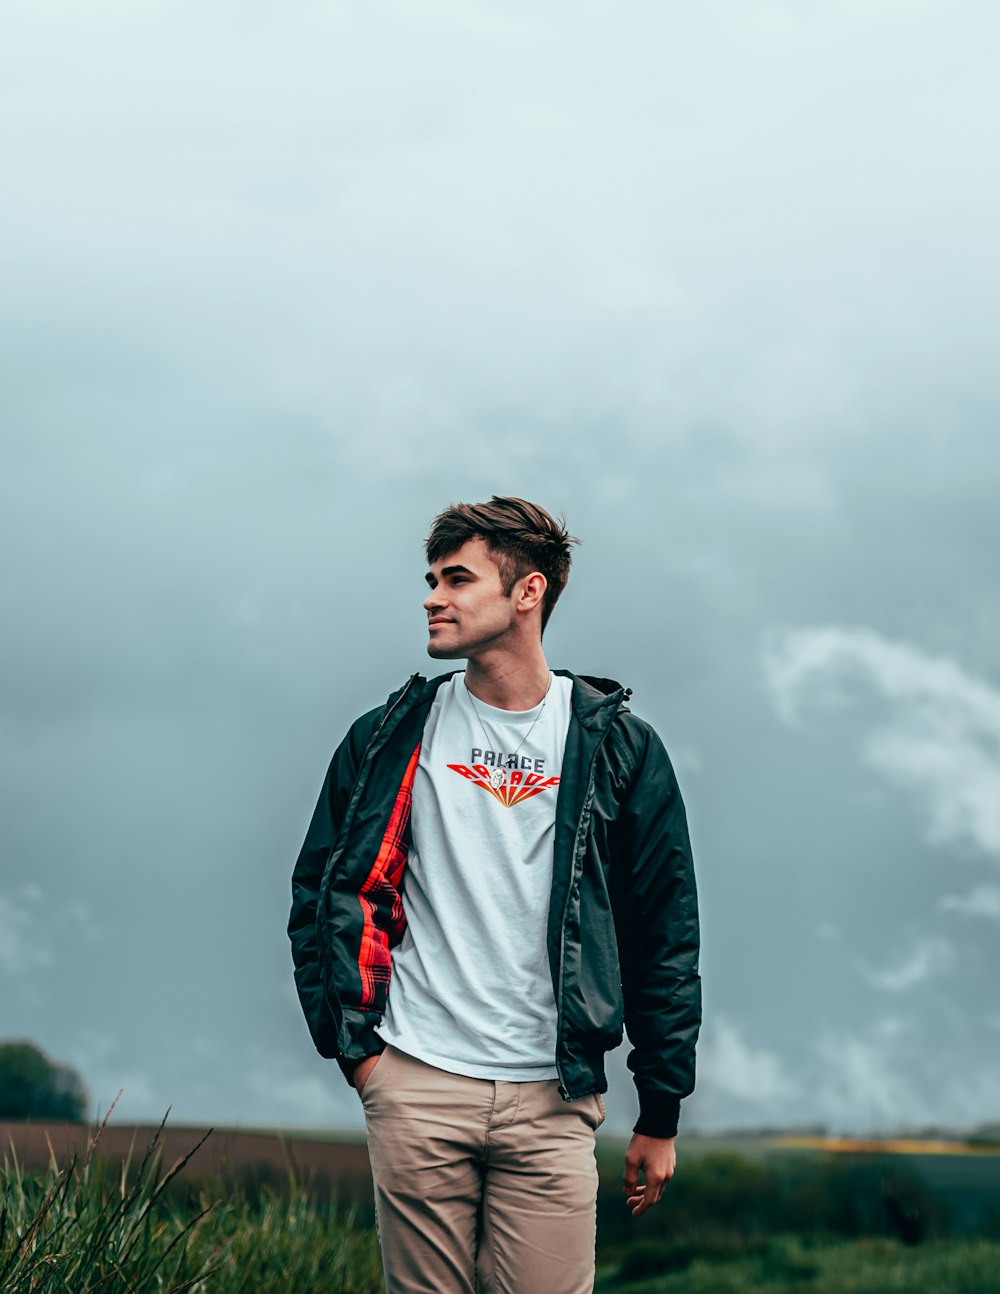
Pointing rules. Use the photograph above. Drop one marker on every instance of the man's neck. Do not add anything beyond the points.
(508, 682)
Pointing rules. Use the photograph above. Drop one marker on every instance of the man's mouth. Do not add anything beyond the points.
(441, 620)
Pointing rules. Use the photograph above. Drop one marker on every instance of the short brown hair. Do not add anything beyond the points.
(521, 537)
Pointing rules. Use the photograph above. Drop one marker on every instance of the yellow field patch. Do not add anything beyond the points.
(889, 1146)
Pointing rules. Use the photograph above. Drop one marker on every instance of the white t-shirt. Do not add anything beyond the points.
(471, 989)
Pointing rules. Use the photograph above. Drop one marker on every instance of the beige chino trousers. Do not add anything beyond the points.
(475, 1178)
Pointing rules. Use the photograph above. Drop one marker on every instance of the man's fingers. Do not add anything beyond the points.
(654, 1158)
(643, 1197)
(639, 1204)
(654, 1189)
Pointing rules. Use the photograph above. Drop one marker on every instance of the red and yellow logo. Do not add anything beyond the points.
(508, 785)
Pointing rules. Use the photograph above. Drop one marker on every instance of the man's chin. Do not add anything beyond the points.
(438, 651)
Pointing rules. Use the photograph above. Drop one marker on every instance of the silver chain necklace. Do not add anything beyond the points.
(499, 775)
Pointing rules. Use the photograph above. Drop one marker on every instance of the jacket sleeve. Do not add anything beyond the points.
(659, 940)
(307, 877)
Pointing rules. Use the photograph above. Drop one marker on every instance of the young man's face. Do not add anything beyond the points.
(467, 609)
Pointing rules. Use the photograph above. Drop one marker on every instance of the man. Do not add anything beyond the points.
(497, 876)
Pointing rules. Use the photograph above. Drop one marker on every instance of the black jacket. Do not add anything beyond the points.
(623, 918)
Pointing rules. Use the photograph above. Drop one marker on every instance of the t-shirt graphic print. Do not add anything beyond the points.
(471, 988)
(509, 784)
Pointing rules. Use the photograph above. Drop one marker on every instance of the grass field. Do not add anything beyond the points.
(761, 1215)
(93, 1224)
(792, 1265)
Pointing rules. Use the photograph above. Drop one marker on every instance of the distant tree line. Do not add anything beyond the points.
(34, 1087)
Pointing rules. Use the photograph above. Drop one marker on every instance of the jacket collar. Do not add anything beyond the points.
(595, 700)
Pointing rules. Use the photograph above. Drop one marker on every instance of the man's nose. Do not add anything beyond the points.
(432, 600)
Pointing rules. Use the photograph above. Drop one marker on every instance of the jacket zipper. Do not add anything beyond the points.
(577, 850)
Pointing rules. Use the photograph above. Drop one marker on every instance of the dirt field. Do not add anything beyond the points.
(342, 1164)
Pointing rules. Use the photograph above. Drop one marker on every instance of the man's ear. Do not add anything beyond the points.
(532, 591)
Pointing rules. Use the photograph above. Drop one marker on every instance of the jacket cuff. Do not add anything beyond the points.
(658, 1115)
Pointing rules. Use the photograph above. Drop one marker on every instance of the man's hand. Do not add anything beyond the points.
(363, 1070)
(655, 1158)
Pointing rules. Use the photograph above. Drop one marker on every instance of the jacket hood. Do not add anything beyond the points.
(596, 701)
(605, 685)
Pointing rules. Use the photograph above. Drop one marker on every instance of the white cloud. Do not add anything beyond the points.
(941, 736)
(731, 1066)
(862, 1086)
(27, 922)
(876, 1079)
(890, 1028)
(930, 957)
(885, 1075)
(22, 949)
(983, 901)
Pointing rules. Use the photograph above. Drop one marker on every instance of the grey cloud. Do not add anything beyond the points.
(942, 739)
(283, 280)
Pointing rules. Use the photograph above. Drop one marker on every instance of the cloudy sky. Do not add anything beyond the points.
(719, 282)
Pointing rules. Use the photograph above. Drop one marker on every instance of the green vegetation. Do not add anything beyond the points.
(785, 1224)
(721, 1199)
(135, 1229)
(793, 1265)
(34, 1087)
(792, 1223)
